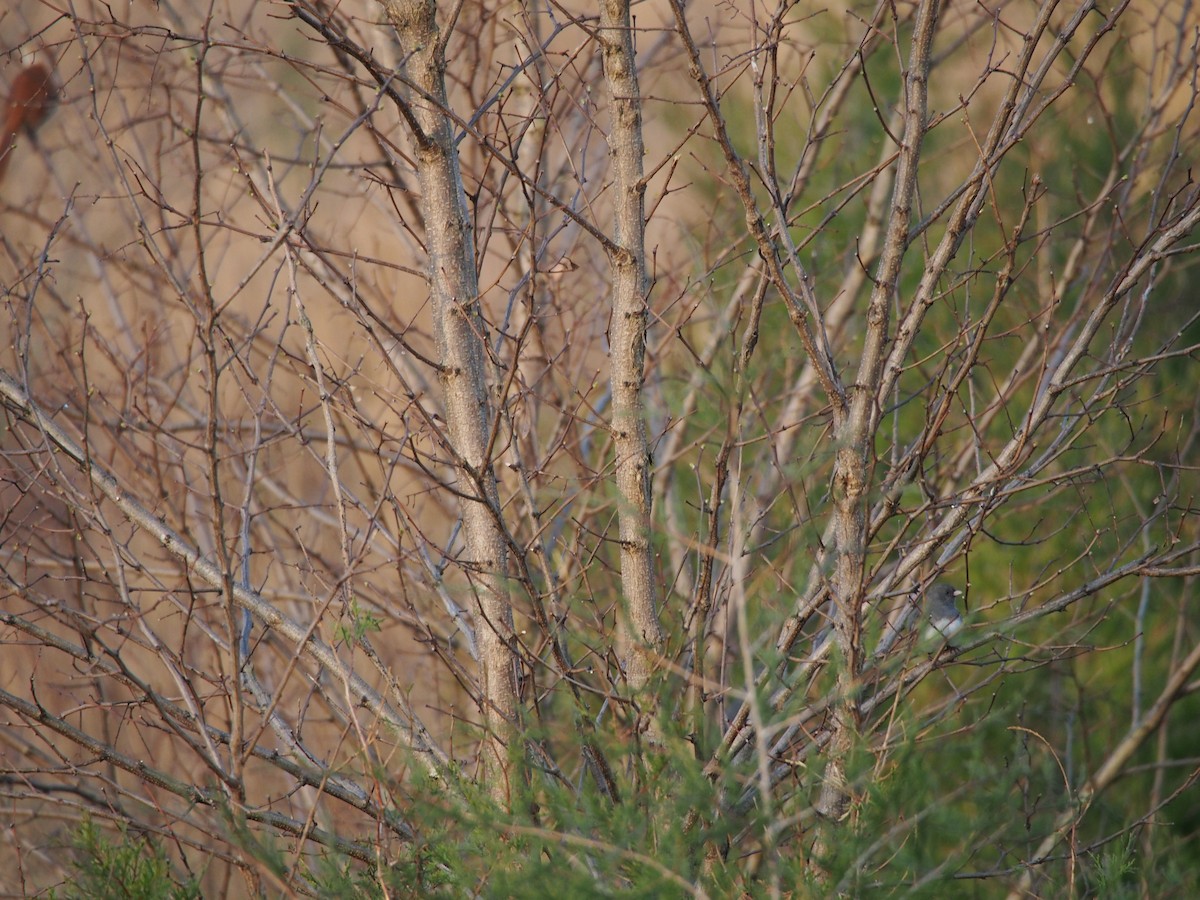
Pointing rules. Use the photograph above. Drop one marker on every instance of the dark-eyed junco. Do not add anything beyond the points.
(941, 612)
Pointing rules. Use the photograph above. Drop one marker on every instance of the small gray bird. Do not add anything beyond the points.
(941, 612)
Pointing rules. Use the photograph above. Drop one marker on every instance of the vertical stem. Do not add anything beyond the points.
(854, 433)
(640, 636)
(459, 331)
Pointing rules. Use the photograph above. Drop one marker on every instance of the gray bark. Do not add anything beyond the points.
(460, 335)
(640, 638)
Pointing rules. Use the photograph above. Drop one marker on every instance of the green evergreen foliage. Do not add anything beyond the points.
(131, 868)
